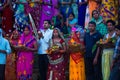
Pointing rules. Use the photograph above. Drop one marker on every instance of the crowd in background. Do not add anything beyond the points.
(83, 33)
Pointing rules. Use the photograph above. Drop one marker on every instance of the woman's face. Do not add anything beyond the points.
(15, 35)
(55, 33)
(26, 31)
(95, 14)
(71, 17)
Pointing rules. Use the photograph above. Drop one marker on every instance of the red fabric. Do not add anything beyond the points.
(76, 56)
(7, 19)
(59, 68)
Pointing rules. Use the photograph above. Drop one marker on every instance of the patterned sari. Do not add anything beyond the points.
(109, 10)
(25, 58)
(10, 68)
(21, 19)
(35, 10)
(76, 66)
(56, 67)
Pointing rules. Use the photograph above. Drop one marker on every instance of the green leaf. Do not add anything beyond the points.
(94, 48)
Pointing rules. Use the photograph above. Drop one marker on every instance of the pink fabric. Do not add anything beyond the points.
(25, 59)
(55, 10)
(35, 11)
(47, 12)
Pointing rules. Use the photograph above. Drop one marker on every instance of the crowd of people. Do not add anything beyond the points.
(81, 34)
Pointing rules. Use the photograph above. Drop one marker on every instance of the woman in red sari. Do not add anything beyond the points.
(10, 71)
(56, 67)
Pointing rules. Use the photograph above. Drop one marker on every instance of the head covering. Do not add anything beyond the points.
(24, 37)
(60, 34)
(12, 40)
(14, 32)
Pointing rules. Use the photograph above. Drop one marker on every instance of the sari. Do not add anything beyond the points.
(10, 68)
(55, 9)
(56, 66)
(107, 57)
(46, 12)
(35, 10)
(21, 19)
(109, 10)
(76, 66)
(25, 58)
(7, 17)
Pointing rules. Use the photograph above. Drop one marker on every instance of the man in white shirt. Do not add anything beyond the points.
(45, 36)
(4, 50)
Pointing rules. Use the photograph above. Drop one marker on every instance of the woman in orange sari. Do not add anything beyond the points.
(76, 66)
(10, 71)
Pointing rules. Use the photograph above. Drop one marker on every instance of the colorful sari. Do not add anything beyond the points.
(21, 19)
(56, 67)
(46, 13)
(10, 68)
(25, 58)
(76, 66)
(109, 10)
(35, 10)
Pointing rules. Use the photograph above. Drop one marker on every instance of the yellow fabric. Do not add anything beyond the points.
(77, 71)
(92, 6)
(106, 63)
(109, 9)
